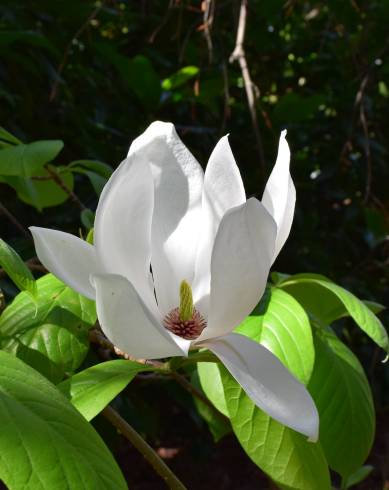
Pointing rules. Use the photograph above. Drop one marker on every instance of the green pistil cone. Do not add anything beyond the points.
(186, 301)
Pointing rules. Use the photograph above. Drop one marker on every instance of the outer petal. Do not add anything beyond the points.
(241, 259)
(128, 323)
(69, 258)
(122, 232)
(178, 183)
(268, 383)
(223, 190)
(279, 196)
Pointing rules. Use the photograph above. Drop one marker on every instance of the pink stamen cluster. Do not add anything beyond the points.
(187, 329)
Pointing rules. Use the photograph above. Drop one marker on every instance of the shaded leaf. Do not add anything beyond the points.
(16, 269)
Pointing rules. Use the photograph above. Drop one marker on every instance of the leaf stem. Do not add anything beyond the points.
(141, 445)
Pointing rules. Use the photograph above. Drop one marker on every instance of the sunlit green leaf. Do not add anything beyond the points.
(45, 443)
(326, 301)
(92, 389)
(50, 334)
(343, 397)
(180, 77)
(16, 268)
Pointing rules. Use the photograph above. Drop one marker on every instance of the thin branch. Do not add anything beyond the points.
(239, 55)
(61, 66)
(141, 445)
(61, 183)
(14, 221)
(209, 7)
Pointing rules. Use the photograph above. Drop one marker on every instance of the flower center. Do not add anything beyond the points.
(185, 321)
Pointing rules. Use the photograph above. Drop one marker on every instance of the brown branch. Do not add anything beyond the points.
(209, 8)
(14, 221)
(62, 64)
(61, 183)
(141, 445)
(239, 55)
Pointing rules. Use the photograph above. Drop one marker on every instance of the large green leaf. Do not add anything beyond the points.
(343, 398)
(26, 160)
(325, 300)
(41, 193)
(50, 334)
(45, 443)
(283, 454)
(16, 268)
(285, 330)
(91, 390)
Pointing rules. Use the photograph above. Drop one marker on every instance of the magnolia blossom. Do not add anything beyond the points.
(180, 258)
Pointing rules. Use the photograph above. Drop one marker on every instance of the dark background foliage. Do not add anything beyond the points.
(95, 74)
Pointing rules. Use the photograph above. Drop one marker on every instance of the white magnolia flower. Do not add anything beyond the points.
(163, 229)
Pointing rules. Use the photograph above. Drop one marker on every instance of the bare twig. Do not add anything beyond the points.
(141, 445)
(61, 183)
(156, 31)
(208, 7)
(62, 64)
(14, 221)
(239, 55)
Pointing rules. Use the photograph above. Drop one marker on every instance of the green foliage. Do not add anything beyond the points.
(343, 398)
(92, 389)
(327, 302)
(179, 77)
(50, 334)
(16, 269)
(47, 443)
(285, 330)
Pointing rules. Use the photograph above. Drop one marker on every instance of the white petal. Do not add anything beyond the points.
(68, 257)
(178, 182)
(122, 231)
(268, 383)
(241, 259)
(279, 196)
(127, 322)
(223, 190)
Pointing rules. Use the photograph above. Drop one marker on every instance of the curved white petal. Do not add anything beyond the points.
(223, 190)
(68, 257)
(241, 260)
(122, 233)
(178, 184)
(279, 196)
(127, 322)
(268, 383)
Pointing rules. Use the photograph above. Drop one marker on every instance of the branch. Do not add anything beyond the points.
(239, 55)
(14, 221)
(141, 445)
(61, 183)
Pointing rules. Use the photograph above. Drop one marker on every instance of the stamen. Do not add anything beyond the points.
(188, 329)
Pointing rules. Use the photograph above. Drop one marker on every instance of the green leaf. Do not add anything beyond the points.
(286, 456)
(283, 454)
(8, 137)
(218, 426)
(325, 300)
(45, 443)
(344, 401)
(51, 334)
(27, 160)
(16, 269)
(180, 77)
(97, 172)
(358, 476)
(91, 390)
(211, 384)
(41, 193)
(285, 330)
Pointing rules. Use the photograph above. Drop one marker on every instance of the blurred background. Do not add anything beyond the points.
(96, 74)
